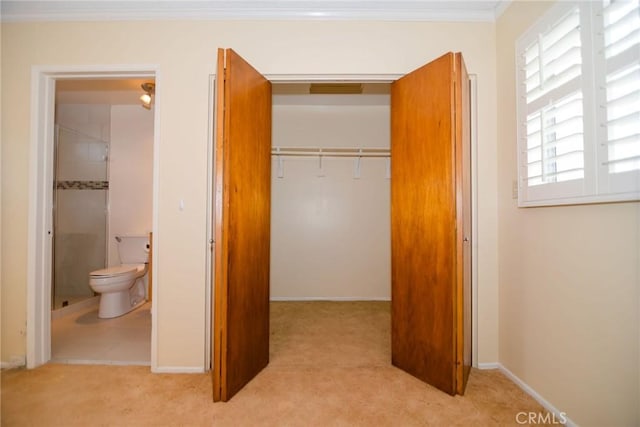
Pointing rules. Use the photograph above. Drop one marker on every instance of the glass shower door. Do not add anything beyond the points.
(80, 214)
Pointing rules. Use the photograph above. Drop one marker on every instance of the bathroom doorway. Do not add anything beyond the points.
(102, 190)
(94, 140)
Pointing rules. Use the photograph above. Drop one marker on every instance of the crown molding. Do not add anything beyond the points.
(133, 10)
(501, 6)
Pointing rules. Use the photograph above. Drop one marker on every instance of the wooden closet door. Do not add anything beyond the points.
(463, 220)
(425, 307)
(242, 222)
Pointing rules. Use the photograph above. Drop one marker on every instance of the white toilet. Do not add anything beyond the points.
(124, 287)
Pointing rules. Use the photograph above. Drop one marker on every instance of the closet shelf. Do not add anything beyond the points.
(330, 152)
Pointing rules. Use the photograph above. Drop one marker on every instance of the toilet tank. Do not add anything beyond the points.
(133, 249)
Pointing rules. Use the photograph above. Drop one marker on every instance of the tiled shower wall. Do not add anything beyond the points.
(81, 197)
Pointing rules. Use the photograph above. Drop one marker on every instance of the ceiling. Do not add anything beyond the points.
(100, 91)
(398, 10)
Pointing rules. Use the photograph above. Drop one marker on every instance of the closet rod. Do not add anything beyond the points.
(330, 152)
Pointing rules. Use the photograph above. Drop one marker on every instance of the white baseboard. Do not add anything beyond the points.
(559, 415)
(492, 365)
(14, 362)
(330, 298)
(178, 370)
(73, 308)
(100, 362)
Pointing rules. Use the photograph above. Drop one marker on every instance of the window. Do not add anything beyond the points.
(578, 76)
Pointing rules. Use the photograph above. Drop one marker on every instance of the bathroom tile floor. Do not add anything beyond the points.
(83, 338)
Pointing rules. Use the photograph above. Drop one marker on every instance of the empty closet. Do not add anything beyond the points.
(330, 207)
(429, 216)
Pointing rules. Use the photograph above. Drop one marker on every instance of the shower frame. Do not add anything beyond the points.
(54, 208)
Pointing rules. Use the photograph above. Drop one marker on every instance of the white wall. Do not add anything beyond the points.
(569, 279)
(184, 53)
(130, 174)
(15, 358)
(330, 235)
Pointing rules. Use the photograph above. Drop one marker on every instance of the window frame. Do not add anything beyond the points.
(597, 184)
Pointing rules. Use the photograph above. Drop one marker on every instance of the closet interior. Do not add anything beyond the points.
(330, 177)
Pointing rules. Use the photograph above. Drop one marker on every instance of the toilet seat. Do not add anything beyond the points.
(114, 271)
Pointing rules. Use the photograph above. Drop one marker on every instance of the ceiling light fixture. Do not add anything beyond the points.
(149, 89)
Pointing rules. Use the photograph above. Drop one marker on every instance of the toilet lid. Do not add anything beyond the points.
(115, 271)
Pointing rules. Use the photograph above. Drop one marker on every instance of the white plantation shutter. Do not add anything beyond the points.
(578, 74)
(623, 120)
(619, 102)
(555, 142)
(554, 59)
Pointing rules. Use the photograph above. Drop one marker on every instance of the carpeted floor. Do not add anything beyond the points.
(330, 366)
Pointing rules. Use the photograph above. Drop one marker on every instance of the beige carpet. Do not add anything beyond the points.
(330, 366)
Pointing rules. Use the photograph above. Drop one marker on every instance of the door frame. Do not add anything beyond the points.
(336, 78)
(40, 226)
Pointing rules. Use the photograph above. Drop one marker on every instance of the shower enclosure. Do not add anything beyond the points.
(80, 206)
